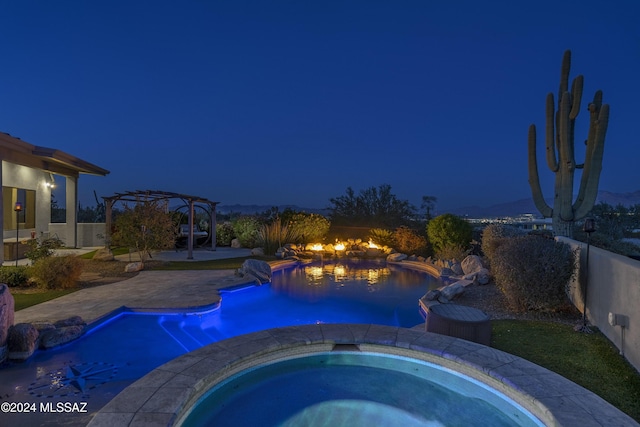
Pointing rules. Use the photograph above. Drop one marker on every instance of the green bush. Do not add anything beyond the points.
(382, 237)
(533, 272)
(42, 248)
(309, 227)
(448, 230)
(14, 276)
(57, 272)
(409, 242)
(274, 235)
(224, 234)
(247, 230)
(493, 235)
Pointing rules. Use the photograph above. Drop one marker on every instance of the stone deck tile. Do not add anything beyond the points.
(553, 398)
(161, 290)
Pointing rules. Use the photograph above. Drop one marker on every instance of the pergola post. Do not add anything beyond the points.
(190, 238)
(212, 227)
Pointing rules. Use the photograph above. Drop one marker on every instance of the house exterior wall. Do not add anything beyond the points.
(613, 287)
(88, 234)
(30, 179)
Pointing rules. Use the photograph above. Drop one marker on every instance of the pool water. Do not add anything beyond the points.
(357, 390)
(122, 350)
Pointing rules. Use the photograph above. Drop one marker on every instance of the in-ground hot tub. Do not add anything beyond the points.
(356, 389)
(170, 393)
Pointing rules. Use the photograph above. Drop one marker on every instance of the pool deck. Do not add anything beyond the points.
(149, 290)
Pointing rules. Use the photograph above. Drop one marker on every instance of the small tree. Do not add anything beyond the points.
(145, 227)
(449, 233)
(373, 207)
(428, 204)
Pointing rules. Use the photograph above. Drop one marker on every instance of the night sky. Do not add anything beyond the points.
(291, 102)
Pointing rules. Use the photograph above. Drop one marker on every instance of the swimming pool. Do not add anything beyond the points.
(121, 350)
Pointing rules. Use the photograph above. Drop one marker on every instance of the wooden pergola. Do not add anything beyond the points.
(154, 195)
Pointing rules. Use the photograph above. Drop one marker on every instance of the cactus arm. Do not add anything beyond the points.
(534, 178)
(576, 92)
(550, 136)
(564, 73)
(593, 165)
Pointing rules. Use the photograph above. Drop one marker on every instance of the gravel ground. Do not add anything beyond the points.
(490, 299)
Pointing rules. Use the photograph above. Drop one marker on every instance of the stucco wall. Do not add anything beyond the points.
(87, 234)
(614, 287)
(30, 179)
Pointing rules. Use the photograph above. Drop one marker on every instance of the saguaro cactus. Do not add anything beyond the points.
(559, 140)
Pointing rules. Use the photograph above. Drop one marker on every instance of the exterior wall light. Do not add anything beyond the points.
(18, 209)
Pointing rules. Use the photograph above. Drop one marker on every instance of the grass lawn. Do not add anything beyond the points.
(24, 300)
(589, 360)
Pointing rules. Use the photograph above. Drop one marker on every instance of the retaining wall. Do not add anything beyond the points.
(613, 287)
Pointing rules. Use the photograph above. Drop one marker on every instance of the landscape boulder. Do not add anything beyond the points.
(71, 321)
(452, 291)
(471, 264)
(23, 340)
(432, 295)
(132, 267)
(253, 268)
(396, 257)
(257, 252)
(235, 243)
(457, 269)
(61, 335)
(6, 319)
(483, 276)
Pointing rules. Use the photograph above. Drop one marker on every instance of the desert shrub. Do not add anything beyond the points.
(14, 276)
(493, 235)
(449, 230)
(247, 230)
(147, 226)
(57, 272)
(453, 252)
(382, 237)
(42, 248)
(224, 234)
(408, 241)
(309, 227)
(533, 272)
(274, 235)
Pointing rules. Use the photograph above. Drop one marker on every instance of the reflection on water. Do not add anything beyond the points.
(342, 273)
(351, 278)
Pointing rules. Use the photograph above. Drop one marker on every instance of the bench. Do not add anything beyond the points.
(458, 321)
(15, 250)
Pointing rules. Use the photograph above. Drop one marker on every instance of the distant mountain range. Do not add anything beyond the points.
(513, 208)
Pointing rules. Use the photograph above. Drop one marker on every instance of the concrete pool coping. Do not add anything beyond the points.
(166, 393)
